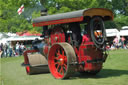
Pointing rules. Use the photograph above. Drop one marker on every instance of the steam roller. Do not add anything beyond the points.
(65, 48)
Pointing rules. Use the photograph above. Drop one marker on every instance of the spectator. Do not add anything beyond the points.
(116, 42)
(107, 47)
(10, 50)
(22, 48)
(112, 47)
(0, 53)
(126, 46)
(2, 50)
(6, 50)
(17, 48)
(122, 42)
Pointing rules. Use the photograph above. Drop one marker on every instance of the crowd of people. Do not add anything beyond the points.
(118, 43)
(9, 50)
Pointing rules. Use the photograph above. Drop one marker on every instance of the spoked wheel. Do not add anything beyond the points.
(61, 60)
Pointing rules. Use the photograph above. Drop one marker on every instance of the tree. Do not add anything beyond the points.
(9, 18)
(121, 20)
(120, 6)
(10, 21)
(60, 6)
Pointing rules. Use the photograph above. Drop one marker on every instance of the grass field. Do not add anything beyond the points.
(114, 72)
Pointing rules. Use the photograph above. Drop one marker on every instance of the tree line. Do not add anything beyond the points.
(10, 21)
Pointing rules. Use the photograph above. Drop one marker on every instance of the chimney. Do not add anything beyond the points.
(43, 12)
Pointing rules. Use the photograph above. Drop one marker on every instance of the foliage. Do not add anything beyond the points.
(120, 6)
(10, 21)
(121, 20)
(58, 6)
(9, 18)
(117, 6)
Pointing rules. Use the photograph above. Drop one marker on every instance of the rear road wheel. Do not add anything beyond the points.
(61, 60)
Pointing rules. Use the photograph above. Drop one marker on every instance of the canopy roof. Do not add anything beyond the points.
(125, 27)
(75, 16)
(23, 38)
(123, 32)
(3, 35)
(112, 32)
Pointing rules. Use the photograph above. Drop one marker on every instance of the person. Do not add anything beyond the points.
(2, 50)
(0, 53)
(122, 42)
(34, 43)
(85, 38)
(86, 34)
(6, 50)
(116, 42)
(76, 33)
(112, 47)
(107, 46)
(17, 48)
(22, 48)
(126, 46)
(10, 50)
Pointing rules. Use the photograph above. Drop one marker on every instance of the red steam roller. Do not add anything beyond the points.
(72, 42)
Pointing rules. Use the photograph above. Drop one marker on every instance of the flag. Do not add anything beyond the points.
(21, 9)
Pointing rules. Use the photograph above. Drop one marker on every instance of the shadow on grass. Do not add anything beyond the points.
(104, 73)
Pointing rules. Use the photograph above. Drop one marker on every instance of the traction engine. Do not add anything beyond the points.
(64, 49)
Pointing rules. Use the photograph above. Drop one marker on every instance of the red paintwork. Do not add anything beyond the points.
(61, 21)
(26, 61)
(28, 69)
(87, 51)
(57, 62)
(85, 38)
(57, 35)
(26, 33)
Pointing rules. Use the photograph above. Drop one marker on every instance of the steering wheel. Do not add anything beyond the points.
(98, 33)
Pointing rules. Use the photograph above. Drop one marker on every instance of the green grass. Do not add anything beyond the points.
(0, 72)
(114, 72)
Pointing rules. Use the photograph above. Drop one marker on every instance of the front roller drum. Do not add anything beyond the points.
(61, 60)
(36, 63)
(37, 69)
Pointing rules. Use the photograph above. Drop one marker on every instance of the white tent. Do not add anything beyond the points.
(112, 32)
(23, 38)
(3, 35)
(123, 32)
(125, 27)
(3, 40)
